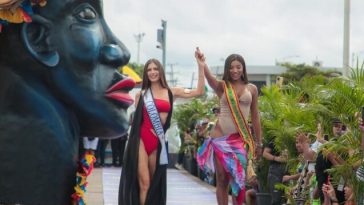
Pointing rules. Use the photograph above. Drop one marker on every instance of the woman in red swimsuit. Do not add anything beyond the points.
(143, 179)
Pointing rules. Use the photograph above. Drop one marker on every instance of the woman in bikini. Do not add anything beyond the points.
(143, 179)
(231, 145)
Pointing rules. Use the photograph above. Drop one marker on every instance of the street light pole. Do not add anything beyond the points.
(139, 38)
(162, 39)
(346, 46)
(164, 26)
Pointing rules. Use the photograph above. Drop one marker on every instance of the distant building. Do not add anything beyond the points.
(262, 75)
(258, 75)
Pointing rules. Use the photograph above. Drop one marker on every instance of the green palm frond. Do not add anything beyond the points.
(343, 97)
(357, 74)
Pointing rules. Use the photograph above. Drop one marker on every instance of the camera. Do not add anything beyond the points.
(311, 166)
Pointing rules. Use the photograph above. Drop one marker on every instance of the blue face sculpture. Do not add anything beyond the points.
(82, 56)
(58, 82)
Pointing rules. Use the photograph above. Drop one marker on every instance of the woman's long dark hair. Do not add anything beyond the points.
(162, 76)
(226, 77)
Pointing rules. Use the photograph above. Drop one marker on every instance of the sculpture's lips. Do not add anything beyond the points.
(120, 91)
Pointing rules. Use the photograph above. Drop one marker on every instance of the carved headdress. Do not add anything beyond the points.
(17, 11)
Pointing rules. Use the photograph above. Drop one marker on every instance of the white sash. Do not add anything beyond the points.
(157, 124)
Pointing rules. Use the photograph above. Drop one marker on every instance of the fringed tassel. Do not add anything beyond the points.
(241, 196)
(85, 167)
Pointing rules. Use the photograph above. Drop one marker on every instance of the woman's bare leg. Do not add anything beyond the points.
(222, 184)
(152, 161)
(143, 173)
(250, 197)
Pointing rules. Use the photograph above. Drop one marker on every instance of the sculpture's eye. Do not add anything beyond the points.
(85, 13)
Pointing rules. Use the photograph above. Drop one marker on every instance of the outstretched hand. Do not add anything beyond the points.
(319, 132)
(200, 57)
(328, 190)
(258, 152)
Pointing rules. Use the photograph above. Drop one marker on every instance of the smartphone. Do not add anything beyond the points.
(311, 166)
(326, 137)
(328, 180)
(340, 186)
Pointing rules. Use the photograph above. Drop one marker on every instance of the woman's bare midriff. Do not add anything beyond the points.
(217, 131)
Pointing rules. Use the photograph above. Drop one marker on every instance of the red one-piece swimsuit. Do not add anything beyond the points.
(150, 140)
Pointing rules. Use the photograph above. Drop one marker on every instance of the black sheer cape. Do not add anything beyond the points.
(129, 185)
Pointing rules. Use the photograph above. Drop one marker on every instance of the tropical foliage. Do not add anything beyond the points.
(187, 114)
(295, 72)
(311, 98)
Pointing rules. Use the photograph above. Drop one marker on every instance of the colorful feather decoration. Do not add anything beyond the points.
(18, 11)
(85, 167)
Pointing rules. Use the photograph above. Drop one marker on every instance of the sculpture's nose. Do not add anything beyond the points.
(114, 56)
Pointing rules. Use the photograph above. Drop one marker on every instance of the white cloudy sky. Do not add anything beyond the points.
(261, 30)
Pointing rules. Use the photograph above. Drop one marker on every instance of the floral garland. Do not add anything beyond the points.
(17, 11)
(86, 165)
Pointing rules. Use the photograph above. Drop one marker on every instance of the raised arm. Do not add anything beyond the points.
(215, 84)
(256, 119)
(200, 90)
(211, 80)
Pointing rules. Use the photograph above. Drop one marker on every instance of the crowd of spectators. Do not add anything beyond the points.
(312, 182)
